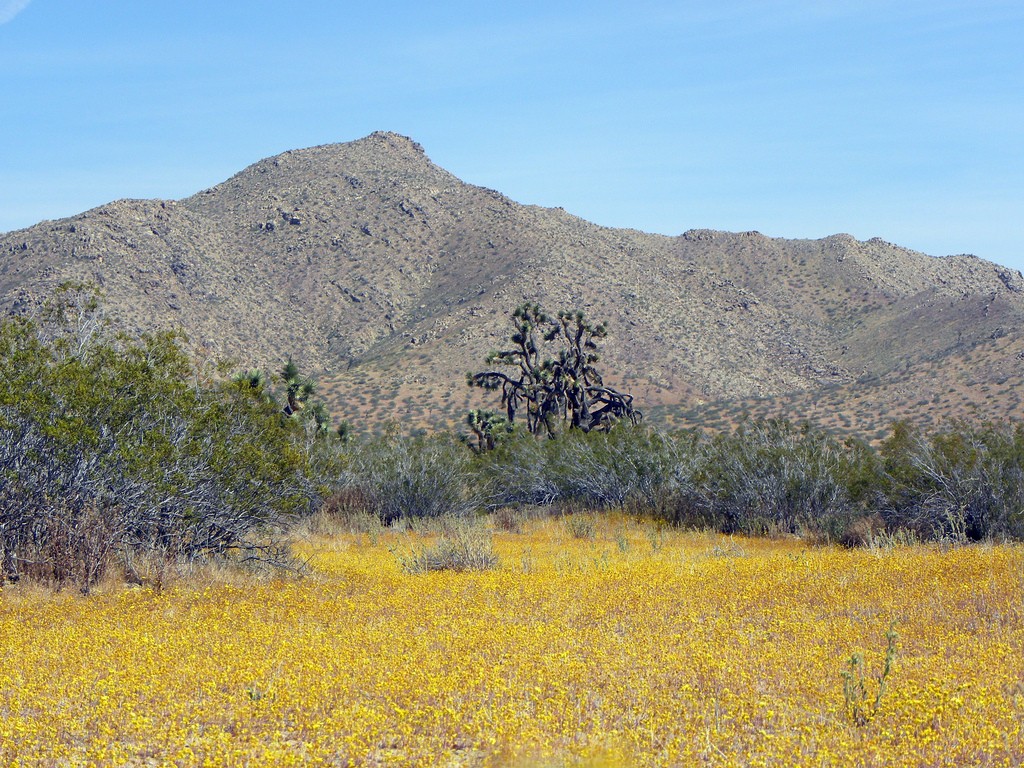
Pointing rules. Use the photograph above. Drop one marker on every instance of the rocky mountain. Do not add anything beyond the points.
(389, 278)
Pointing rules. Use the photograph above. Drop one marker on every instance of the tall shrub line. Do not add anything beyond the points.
(115, 447)
(961, 483)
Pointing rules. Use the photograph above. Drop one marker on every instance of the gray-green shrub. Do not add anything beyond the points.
(414, 477)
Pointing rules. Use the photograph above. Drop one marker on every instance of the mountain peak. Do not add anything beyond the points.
(384, 147)
(393, 141)
(298, 177)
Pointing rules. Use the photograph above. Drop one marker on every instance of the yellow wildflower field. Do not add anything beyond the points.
(635, 647)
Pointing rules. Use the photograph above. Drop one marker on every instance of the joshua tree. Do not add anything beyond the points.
(566, 386)
(298, 394)
(253, 379)
(486, 427)
(298, 389)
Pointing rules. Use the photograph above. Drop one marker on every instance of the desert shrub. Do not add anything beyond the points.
(109, 443)
(413, 477)
(865, 531)
(861, 471)
(773, 477)
(326, 523)
(963, 482)
(626, 465)
(579, 526)
(764, 477)
(345, 501)
(517, 471)
(73, 544)
(682, 501)
(509, 519)
(462, 546)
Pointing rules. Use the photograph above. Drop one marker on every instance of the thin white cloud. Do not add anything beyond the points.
(11, 8)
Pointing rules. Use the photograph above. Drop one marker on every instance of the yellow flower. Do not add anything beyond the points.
(583, 652)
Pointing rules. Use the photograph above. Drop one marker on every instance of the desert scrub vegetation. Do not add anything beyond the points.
(406, 477)
(680, 649)
(962, 482)
(116, 449)
(772, 477)
(460, 545)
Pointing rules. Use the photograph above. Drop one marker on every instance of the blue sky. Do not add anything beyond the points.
(902, 120)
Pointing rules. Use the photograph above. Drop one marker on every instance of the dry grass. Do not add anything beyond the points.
(463, 546)
(638, 646)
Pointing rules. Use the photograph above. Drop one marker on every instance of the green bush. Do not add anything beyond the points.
(109, 443)
(625, 466)
(517, 471)
(771, 477)
(963, 482)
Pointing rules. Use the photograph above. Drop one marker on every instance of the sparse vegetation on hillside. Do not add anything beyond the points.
(382, 273)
